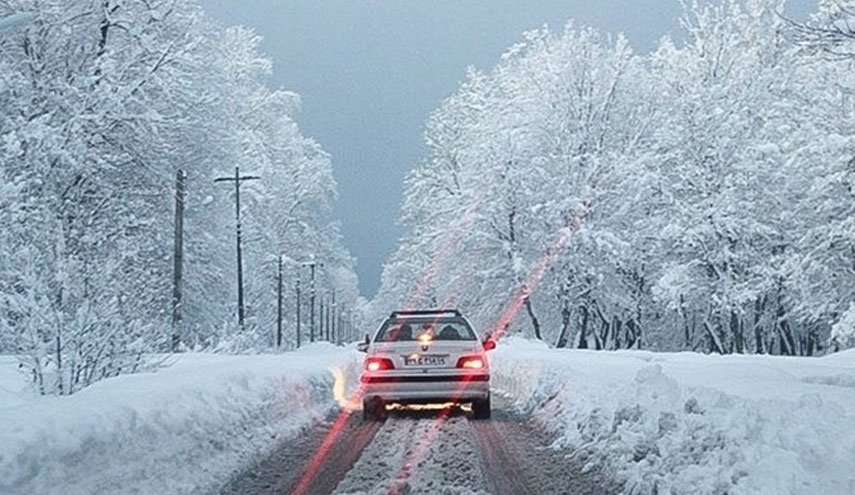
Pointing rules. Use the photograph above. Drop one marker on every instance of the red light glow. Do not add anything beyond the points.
(471, 362)
(378, 364)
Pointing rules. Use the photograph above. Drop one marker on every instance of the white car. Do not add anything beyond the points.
(422, 357)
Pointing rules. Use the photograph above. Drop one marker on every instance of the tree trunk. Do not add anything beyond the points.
(632, 332)
(788, 345)
(759, 344)
(566, 316)
(613, 335)
(534, 321)
(687, 335)
(583, 331)
(715, 342)
(59, 369)
(736, 333)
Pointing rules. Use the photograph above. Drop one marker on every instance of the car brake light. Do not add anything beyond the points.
(379, 364)
(471, 362)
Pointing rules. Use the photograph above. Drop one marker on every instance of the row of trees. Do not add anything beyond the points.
(698, 197)
(101, 103)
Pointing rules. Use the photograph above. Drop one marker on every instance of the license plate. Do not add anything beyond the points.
(425, 360)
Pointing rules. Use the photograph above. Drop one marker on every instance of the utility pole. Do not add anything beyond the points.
(338, 327)
(312, 304)
(321, 318)
(299, 303)
(327, 307)
(331, 319)
(342, 324)
(178, 259)
(326, 318)
(312, 265)
(279, 305)
(237, 179)
(325, 310)
(347, 329)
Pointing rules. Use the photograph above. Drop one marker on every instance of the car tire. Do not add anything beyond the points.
(481, 409)
(373, 409)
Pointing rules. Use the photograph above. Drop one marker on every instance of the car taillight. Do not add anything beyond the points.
(471, 362)
(379, 364)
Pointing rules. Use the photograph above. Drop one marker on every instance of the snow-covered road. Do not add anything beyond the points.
(422, 453)
(418, 455)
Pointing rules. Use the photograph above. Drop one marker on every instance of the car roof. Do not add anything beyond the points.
(425, 312)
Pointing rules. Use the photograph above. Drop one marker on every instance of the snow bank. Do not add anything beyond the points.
(691, 423)
(184, 429)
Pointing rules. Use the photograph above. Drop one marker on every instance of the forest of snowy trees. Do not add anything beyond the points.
(102, 102)
(699, 197)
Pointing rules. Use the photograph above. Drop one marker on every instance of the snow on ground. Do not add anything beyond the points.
(186, 428)
(13, 387)
(693, 423)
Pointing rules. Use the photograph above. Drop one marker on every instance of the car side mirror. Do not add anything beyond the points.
(363, 346)
(489, 345)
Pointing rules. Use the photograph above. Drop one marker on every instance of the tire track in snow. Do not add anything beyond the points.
(281, 471)
(448, 465)
(518, 459)
(505, 476)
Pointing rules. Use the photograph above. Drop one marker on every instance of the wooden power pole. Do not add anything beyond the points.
(331, 320)
(178, 259)
(312, 294)
(299, 303)
(237, 179)
(321, 317)
(279, 305)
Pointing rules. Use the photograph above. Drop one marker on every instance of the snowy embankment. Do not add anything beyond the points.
(690, 423)
(184, 429)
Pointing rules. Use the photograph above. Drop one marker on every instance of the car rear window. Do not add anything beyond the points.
(410, 329)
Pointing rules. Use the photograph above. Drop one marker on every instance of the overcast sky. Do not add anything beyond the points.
(370, 71)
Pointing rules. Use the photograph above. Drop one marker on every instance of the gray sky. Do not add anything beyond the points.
(370, 72)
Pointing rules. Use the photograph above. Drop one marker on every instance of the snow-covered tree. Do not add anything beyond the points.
(713, 179)
(103, 102)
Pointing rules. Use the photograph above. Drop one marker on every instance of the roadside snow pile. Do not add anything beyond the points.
(186, 428)
(691, 423)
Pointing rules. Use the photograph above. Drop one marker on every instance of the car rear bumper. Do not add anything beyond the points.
(426, 388)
